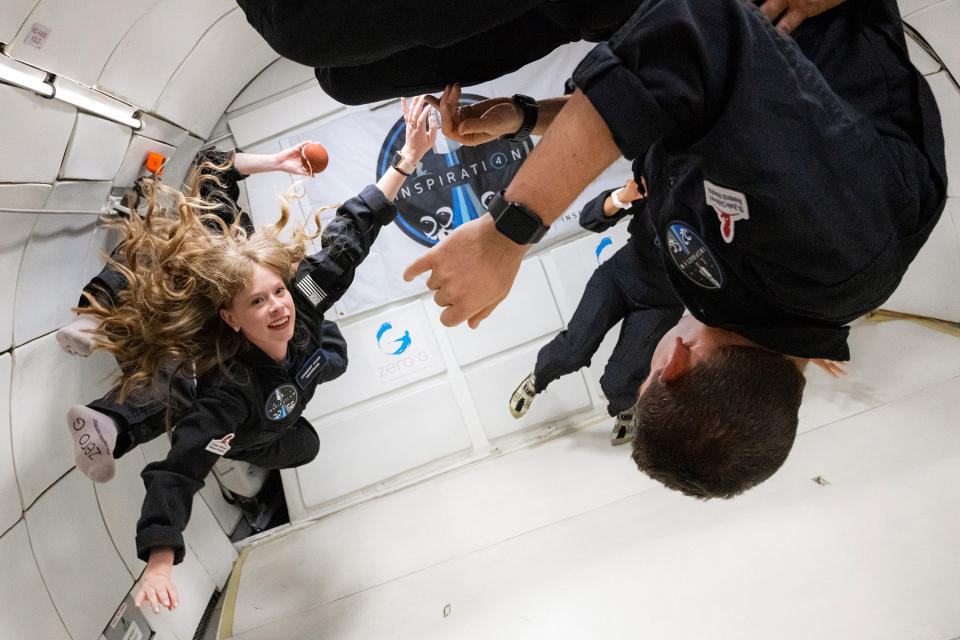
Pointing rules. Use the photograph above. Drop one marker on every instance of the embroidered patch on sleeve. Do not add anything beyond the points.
(311, 368)
(220, 446)
(730, 206)
(309, 288)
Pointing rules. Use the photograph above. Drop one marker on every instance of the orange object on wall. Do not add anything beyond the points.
(155, 163)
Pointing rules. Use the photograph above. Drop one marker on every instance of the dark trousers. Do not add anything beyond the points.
(143, 415)
(606, 301)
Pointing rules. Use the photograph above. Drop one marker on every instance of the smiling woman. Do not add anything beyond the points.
(201, 321)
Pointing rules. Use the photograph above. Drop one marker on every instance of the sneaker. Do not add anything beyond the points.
(522, 397)
(623, 428)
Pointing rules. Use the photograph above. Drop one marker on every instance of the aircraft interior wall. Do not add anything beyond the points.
(197, 75)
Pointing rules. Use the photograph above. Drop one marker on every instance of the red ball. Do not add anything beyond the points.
(314, 157)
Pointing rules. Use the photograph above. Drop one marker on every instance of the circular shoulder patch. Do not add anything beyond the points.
(691, 255)
(281, 402)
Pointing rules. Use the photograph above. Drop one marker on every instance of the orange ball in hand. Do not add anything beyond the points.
(314, 157)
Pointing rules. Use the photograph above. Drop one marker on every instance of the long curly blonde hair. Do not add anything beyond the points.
(183, 264)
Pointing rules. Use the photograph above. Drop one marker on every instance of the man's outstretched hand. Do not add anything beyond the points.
(476, 123)
(471, 271)
(787, 15)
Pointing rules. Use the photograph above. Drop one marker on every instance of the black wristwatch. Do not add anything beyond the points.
(516, 221)
(531, 110)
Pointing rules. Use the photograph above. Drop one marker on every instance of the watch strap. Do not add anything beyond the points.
(531, 111)
(515, 220)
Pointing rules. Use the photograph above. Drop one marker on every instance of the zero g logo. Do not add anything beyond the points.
(389, 343)
(403, 360)
(452, 183)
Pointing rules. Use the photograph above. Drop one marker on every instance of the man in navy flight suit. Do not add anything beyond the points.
(791, 181)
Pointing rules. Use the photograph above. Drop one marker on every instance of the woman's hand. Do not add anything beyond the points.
(475, 123)
(419, 138)
(833, 369)
(290, 160)
(156, 586)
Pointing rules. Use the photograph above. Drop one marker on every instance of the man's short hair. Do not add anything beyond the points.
(722, 427)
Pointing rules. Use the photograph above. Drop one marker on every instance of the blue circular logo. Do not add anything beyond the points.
(390, 342)
(692, 256)
(452, 183)
(281, 402)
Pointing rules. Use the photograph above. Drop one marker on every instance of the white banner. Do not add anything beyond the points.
(450, 186)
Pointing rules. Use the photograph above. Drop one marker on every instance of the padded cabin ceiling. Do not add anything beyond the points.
(180, 59)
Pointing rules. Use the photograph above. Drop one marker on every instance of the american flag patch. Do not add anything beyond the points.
(309, 288)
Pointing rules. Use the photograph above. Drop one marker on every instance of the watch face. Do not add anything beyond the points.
(451, 184)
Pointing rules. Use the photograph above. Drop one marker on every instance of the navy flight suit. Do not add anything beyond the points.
(791, 180)
(629, 286)
(253, 412)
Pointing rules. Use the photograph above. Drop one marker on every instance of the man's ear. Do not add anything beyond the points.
(227, 316)
(681, 361)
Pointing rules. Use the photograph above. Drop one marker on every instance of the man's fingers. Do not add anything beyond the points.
(773, 9)
(475, 321)
(441, 298)
(433, 102)
(421, 265)
(790, 21)
(453, 315)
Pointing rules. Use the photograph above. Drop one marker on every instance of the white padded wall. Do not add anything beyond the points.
(78, 195)
(132, 166)
(930, 287)
(16, 231)
(208, 542)
(10, 507)
(948, 99)
(50, 274)
(81, 38)
(161, 130)
(12, 15)
(939, 24)
(35, 132)
(381, 363)
(95, 150)
(44, 387)
(492, 382)
(26, 610)
(26, 196)
(360, 448)
(197, 94)
(179, 164)
(528, 312)
(570, 265)
(150, 52)
(80, 566)
(280, 76)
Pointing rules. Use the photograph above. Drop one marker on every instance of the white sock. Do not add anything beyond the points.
(94, 437)
(75, 338)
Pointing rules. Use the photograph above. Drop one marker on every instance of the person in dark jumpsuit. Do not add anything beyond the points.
(142, 417)
(791, 181)
(249, 406)
(362, 52)
(628, 286)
